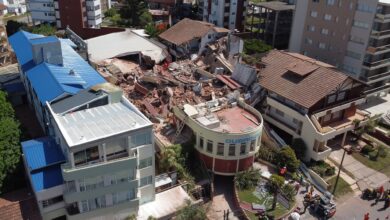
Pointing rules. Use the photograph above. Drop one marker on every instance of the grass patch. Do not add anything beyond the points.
(342, 187)
(249, 197)
(382, 164)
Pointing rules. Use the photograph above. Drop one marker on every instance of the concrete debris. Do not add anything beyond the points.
(156, 88)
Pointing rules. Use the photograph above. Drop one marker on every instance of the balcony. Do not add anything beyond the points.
(342, 125)
(73, 212)
(321, 153)
(378, 77)
(376, 90)
(376, 64)
(380, 34)
(96, 169)
(378, 50)
(92, 3)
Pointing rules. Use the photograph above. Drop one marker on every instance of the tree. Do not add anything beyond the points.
(274, 184)
(255, 46)
(15, 26)
(247, 179)
(145, 18)
(9, 139)
(191, 212)
(132, 11)
(151, 30)
(299, 147)
(131, 217)
(44, 29)
(367, 128)
(286, 157)
(110, 12)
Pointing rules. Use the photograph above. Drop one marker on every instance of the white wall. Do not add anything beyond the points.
(298, 25)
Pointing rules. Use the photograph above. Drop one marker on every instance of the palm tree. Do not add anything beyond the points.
(274, 184)
(191, 212)
(247, 179)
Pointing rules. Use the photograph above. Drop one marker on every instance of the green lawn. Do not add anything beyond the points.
(342, 187)
(248, 196)
(381, 164)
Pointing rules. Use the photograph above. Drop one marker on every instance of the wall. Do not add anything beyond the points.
(298, 26)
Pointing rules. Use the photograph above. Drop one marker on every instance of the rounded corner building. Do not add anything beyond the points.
(228, 135)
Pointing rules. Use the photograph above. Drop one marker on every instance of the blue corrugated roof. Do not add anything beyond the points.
(14, 87)
(47, 178)
(42, 152)
(43, 159)
(49, 81)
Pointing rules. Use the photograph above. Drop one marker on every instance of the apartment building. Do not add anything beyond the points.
(14, 6)
(98, 158)
(79, 13)
(229, 14)
(311, 100)
(271, 22)
(351, 35)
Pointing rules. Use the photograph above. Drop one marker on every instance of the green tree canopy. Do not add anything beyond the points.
(191, 212)
(136, 12)
(247, 179)
(44, 29)
(255, 46)
(9, 139)
(274, 184)
(286, 157)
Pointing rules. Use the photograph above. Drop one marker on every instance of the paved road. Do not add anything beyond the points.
(365, 176)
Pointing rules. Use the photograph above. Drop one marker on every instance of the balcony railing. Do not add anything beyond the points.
(322, 153)
(378, 76)
(377, 63)
(380, 33)
(378, 89)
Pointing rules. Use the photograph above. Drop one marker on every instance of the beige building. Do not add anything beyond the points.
(352, 35)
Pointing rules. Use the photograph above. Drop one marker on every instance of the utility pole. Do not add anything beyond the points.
(338, 174)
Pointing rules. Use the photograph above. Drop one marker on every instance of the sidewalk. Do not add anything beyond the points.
(365, 177)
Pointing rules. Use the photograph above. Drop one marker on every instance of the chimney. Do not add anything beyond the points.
(47, 49)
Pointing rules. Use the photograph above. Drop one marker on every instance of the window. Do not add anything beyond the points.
(220, 149)
(243, 148)
(351, 6)
(322, 45)
(309, 41)
(313, 14)
(146, 181)
(277, 111)
(360, 24)
(331, 98)
(141, 139)
(365, 8)
(232, 149)
(324, 31)
(49, 202)
(341, 96)
(91, 183)
(209, 146)
(252, 145)
(145, 163)
(295, 121)
(356, 39)
(327, 17)
(316, 1)
(119, 197)
(330, 2)
(86, 156)
(201, 143)
(327, 117)
(311, 28)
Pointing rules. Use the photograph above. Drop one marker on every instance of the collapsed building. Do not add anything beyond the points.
(210, 97)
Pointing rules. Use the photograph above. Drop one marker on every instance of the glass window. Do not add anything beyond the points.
(49, 202)
(252, 145)
(309, 41)
(201, 142)
(145, 163)
(220, 149)
(84, 206)
(86, 156)
(313, 14)
(322, 45)
(141, 139)
(328, 17)
(209, 146)
(360, 24)
(341, 96)
(330, 2)
(232, 149)
(331, 98)
(146, 181)
(324, 31)
(327, 117)
(243, 148)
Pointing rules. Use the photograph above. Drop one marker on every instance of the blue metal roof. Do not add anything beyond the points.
(47, 178)
(43, 159)
(42, 152)
(50, 81)
(14, 87)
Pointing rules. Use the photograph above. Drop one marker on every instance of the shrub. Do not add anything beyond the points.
(373, 155)
(286, 157)
(322, 168)
(288, 191)
(367, 149)
(382, 151)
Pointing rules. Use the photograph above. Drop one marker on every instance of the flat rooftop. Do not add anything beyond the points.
(160, 207)
(223, 118)
(96, 123)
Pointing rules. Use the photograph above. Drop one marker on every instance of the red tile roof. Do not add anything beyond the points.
(187, 29)
(19, 204)
(298, 78)
(2, 7)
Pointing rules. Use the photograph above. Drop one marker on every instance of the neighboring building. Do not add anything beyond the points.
(13, 6)
(228, 135)
(229, 14)
(67, 12)
(271, 22)
(3, 9)
(353, 36)
(190, 37)
(6, 56)
(98, 158)
(311, 100)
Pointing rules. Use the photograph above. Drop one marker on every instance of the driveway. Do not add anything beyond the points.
(365, 177)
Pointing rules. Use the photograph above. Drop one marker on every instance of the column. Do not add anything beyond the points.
(275, 27)
(344, 137)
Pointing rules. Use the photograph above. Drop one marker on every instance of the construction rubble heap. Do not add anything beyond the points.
(207, 77)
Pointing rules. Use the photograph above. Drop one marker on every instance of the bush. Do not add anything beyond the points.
(288, 191)
(373, 155)
(382, 152)
(367, 149)
(286, 157)
(322, 168)
(110, 12)
(253, 46)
